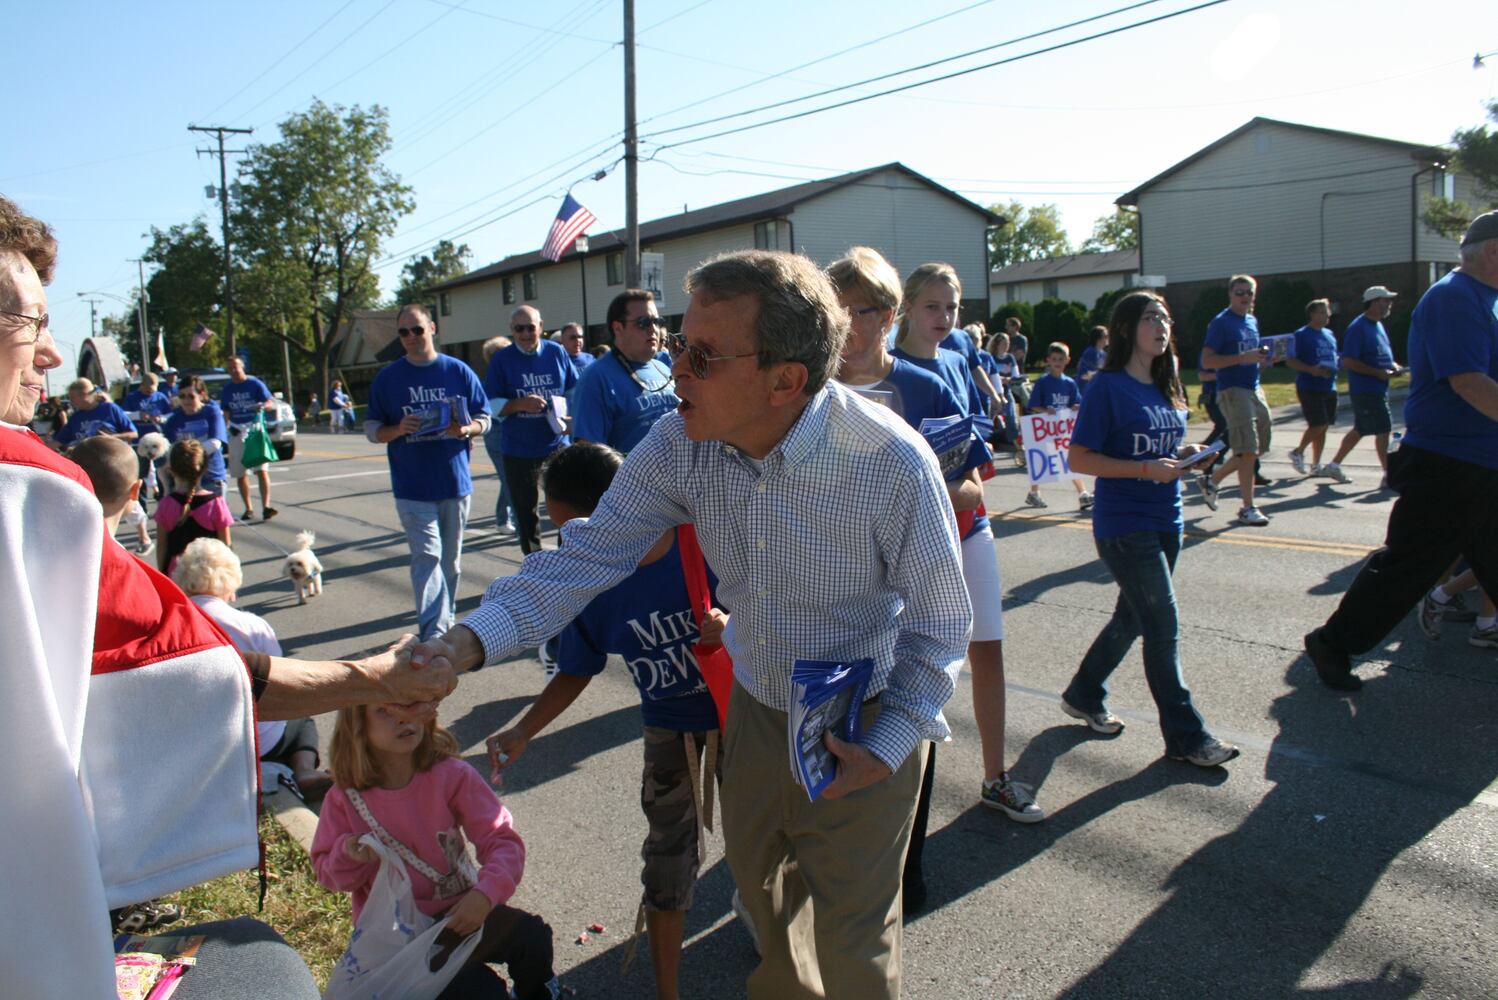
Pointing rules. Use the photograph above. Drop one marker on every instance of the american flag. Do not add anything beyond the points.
(571, 222)
(200, 337)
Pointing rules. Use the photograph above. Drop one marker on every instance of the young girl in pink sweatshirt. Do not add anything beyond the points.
(403, 780)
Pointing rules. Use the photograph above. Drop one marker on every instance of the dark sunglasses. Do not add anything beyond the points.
(650, 322)
(523, 327)
(697, 358)
(410, 331)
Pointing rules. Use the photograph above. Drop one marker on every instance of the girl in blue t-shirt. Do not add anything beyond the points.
(1128, 434)
(1091, 361)
(931, 300)
(646, 619)
(200, 419)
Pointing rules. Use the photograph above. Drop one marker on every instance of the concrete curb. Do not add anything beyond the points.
(293, 815)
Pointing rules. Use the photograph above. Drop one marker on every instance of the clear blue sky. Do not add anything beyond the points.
(495, 104)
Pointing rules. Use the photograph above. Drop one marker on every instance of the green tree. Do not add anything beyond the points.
(314, 210)
(186, 289)
(1119, 231)
(1059, 320)
(1102, 309)
(444, 263)
(1477, 157)
(1027, 234)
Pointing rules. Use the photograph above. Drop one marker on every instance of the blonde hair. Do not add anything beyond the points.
(864, 273)
(188, 462)
(208, 566)
(494, 345)
(917, 282)
(352, 764)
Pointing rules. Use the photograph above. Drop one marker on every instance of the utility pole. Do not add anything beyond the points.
(93, 327)
(223, 200)
(141, 315)
(631, 156)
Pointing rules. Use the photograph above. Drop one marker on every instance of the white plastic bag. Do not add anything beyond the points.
(394, 942)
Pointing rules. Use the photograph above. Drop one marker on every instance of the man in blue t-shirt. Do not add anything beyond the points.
(573, 340)
(1314, 359)
(93, 414)
(529, 374)
(1369, 360)
(621, 397)
(1232, 350)
(243, 400)
(1446, 473)
(428, 467)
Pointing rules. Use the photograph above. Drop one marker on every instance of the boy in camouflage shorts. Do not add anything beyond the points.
(647, 620)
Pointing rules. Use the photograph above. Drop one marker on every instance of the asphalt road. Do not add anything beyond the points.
(1348, 852)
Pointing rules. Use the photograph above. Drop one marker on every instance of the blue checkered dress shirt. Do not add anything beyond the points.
(840, 544)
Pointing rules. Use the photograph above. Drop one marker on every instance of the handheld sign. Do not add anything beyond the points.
(1048, 445)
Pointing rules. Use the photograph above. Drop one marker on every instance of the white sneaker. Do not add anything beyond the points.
(1253, 517)
(1333, 471)
(1298, 461)
(1316, 469)
(1035, 500)
(1084, 501)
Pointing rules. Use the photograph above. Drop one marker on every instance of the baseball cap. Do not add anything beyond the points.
(1379, 292)
(1484, 227)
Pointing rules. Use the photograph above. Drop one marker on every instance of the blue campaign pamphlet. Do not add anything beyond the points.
(958, 442)
(825, 697)
(437, 418)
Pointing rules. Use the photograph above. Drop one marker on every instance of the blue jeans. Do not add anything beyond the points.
(504, 507)
(434, 530)
(1141, 563)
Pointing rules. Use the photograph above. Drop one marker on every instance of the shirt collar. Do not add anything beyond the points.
(808, 432)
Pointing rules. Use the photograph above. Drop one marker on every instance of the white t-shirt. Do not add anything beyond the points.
(252, 634)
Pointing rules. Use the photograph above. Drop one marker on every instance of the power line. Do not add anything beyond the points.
(912, 69)
(820, 59)
(671, 17)
(284, 56)
(947, 76)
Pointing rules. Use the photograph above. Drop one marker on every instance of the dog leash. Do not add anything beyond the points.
(239, 523)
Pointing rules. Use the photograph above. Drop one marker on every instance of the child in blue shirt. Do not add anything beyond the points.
(1052, 392)
(648, 620)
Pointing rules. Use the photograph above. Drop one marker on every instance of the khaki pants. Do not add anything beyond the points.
(821, 880)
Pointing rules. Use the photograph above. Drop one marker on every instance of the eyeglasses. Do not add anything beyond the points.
(523, 327)
(410, 331)
(865, 311)
(1159, 319)
(697, 358)
(650, 322)
(37, 323)
(1243, 293)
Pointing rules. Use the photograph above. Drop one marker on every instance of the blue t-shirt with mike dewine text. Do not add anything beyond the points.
(155, 404)
(512, 374)
(647, 619)
(1122, 417)
(207, 425)
(617, 401)
(1316, 347)
(241, 401)
(105, 416)
(1057, 391)
(1230, 334)
(429, 469)
(1367, 341)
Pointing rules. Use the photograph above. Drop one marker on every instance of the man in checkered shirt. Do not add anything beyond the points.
(826, 521)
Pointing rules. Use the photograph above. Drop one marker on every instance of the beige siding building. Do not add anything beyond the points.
(1081, 277)
(907, 217)
(1337, 210)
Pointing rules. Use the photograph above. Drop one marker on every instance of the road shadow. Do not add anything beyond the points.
(558, 751)
(1256, 910)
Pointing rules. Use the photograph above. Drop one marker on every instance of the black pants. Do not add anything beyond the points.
(299, 735)
(524, 477)
(917, 848)
(1446, 508)
(518, 940)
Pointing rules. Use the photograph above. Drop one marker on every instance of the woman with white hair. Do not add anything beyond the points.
(208, 571)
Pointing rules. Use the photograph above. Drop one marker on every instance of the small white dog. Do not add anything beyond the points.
(153, 447)
(303, 569)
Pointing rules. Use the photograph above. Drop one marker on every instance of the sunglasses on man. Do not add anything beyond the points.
(523, 327)
(650, 322)
(411, 331)
(697, 358)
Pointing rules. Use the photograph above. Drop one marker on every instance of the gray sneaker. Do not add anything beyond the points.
(1429, 618)
(1333, 471)
(1011, 798)
(1104, 722)
(1253, 517)
(1035, 500)
(1209, 490)
(1212, 753)
(1484, 638)
(1298, 461)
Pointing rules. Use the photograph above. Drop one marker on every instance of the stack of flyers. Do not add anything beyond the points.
(825, 696)
(1278, 347)
(958, 442)
(439, 416)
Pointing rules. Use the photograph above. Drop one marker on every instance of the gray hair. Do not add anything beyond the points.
(1472, 251)
(799, 319)
(208, 566)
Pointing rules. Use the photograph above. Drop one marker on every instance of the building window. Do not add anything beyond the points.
(773, 235)
(1049, 289)
(1011, 292)
(444, 306)
(614, 262)
(507, 290)
(529, 282)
